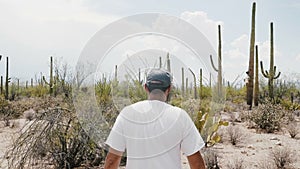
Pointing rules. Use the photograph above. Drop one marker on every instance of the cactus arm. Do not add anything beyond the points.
(265, 74)
(276, 77)
(212, 63)
(44, 79)
(195, 87)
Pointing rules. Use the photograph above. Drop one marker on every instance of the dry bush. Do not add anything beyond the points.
(236, 164)
(265, 164)
(54, 138)
(235, 134)
(29, 114)
(292, 129)
(211, 159)
(269, 116)
(7, 113)
(283, 157)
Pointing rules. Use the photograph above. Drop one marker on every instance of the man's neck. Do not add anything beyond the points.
(160, 96)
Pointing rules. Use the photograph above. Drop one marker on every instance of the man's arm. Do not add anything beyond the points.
(113, 159)
(196, 161)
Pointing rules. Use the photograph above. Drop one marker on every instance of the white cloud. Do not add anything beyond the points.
(298, 57)
(206, 25)
(37, 29)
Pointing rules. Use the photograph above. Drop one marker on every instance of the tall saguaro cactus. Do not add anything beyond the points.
(271, 74)
(195, 86)
(201, 84)
(51, 81)
(256, 84)
(116, 73)
(219, 69)
(182, 82)
(168, 63)
(250, 71)
(1, 86)
(160, 62)
(7, 80)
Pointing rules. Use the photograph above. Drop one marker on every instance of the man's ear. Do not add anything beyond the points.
(168, 89)
(146, 88)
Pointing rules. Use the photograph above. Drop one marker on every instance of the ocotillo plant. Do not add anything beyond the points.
(271, 74)
(250, 71)
(219, 70)
(182, 82)
(7, 80)
(51, 81)
(195, 86)
(256, 84)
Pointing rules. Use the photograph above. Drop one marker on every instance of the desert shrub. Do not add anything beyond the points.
(288, 105)
(236, 164)
(103, 91)
(54, 138)
(283, 157)
(137, 91)
(235, 134)
(266, 164)
(191, 106)
(7, 111)
(29, 114)
(269, 116)
(292, 129)
(211, 159)
(206, 92)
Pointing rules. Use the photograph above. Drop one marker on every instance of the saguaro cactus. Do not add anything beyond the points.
(219, 70)
(182, 81)
(250, 71)
(168, 63)
(51, 81)
(271, 75)
(201, 83)
(116, 72)
(160, 62)
(186, 87)
(256, 84)
(1, 85)
(195, 86)
(7, 80)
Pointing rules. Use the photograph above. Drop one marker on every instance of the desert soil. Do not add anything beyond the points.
(255, 148)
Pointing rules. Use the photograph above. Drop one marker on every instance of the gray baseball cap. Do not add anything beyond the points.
(159, 78)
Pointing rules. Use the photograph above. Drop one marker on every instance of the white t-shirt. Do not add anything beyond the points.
(154, 133)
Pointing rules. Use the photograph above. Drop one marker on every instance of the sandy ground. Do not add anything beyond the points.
(253, 149)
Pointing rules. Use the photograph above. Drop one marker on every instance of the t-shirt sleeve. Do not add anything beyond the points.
(116, 139)
(192, 140)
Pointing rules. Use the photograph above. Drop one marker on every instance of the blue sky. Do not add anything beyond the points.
(33, 30)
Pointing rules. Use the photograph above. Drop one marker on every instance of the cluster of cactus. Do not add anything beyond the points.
(271, 74)
(184, 85)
